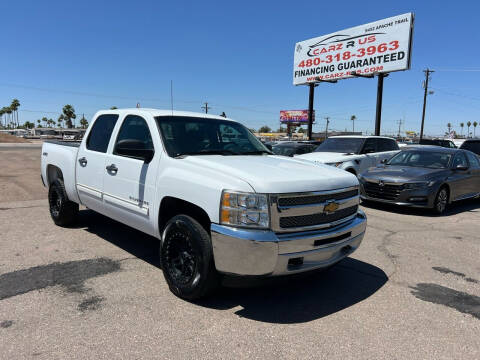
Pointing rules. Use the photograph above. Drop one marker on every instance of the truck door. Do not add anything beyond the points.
(129, 178)
(460, 179)
(91, 162)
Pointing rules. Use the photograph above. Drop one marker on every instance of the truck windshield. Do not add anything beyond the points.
(341, 145)
(184, 135)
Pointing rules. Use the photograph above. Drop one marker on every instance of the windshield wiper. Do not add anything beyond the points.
(256, 152)
(207, 152)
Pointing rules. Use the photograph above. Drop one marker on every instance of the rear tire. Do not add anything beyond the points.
(63, 211)
(187, 259)
(441, 201)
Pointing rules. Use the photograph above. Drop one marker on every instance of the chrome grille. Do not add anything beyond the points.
(315, 210)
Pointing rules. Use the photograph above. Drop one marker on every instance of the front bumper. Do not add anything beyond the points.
(249, 252)
(420, 198)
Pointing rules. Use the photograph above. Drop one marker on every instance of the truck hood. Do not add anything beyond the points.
(276, 174)
(328, 157)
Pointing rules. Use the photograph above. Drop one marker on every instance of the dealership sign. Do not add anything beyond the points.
(382, 46)
(295, 116)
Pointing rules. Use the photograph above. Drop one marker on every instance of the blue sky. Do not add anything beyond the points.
(238, 56)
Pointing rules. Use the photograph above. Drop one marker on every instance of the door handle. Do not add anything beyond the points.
(82, 161)
(112, 169)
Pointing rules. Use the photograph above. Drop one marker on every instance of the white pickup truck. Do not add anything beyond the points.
(354, 154)
(210, 191)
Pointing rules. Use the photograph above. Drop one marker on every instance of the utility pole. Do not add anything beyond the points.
(326, 126)
(310, 109)
(206, 107)
(400, 122)
(427, 76)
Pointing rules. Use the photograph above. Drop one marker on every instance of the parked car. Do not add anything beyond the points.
(292, 148)
(354, 154)
(438, 142)
(427, 177)
(219, 204)
(472, 145)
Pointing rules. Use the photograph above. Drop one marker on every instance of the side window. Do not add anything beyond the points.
(459, 160)
(99, 136)
(473, 146)
(133, 134)
(370, 146)
(387, 145)
(473, 159)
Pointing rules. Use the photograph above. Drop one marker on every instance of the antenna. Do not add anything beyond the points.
(171, 94)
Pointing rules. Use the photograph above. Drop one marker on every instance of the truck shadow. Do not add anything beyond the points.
(285, 300)
(470, 205)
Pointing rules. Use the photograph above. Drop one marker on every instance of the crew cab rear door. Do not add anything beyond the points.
(90, 166)
(129, 179)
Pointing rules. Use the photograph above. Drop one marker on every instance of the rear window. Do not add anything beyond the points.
(99, 136)
(473, 146)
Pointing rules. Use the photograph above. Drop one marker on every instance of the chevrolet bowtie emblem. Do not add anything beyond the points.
(331, 207)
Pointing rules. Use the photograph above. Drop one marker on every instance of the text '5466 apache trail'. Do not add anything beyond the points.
(381, 46)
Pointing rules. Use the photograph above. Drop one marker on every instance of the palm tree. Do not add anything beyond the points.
(449, 127)
(45, 121)
(461, 126)
(2, 112)
(474, 127)
(8, 110)
(468, 127)
(59, 120)
(68, 115)
(83, 122)
(353, 117)
(38, 123)
(14, 106)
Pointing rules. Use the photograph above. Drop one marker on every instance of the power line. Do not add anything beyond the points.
(206, 107)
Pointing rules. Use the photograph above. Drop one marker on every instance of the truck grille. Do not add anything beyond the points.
(310, 211)
(316, 219)
(386, 192)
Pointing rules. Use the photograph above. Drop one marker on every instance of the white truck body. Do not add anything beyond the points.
(133, 192)
(360, 160)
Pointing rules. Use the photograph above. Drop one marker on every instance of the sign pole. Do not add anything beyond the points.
(378, 115)
(310, 109)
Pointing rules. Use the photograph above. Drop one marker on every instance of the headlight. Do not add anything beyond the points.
(418, 185)
(244, 209)
(336, 164)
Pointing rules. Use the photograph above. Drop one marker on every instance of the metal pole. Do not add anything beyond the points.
(326, 127)
(310, 109)
(427, 73)
(378, 115)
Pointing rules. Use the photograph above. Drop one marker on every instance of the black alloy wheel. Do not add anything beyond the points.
(441, 201)
(62, 210)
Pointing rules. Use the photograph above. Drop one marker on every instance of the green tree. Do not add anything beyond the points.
(449, 127)
(83, 122)
(14, 106)
(113, 108)
(281, 129)
(461, 126)
(39, 123)
(60, 120)
(468, 128)
(353, 118)
(69, 115)
(45, 121)
(474, 127)
(2, 113)
(301, 130)
(28, 125)
(264, 129)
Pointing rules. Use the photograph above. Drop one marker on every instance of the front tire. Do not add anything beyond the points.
(63, 211)
(187, 258)
(441, 201)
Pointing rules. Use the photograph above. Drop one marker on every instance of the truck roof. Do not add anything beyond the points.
(159, 112)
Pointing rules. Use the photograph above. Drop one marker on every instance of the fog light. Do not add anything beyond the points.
(417, 199)
(295, 261)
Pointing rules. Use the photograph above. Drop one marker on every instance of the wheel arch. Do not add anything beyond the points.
(171, 206)
(53, 173)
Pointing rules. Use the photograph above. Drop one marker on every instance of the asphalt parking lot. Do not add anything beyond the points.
(412, 290)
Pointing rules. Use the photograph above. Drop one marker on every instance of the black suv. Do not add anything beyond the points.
(472, 144)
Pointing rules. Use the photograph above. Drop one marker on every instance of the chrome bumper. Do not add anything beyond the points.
(264, 252)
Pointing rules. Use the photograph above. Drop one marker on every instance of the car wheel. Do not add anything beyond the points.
(441, 201)
(63, 211)
(187, 258)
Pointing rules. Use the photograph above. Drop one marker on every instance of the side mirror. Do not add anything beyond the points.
(268, 146)
(134, 149)
(461, 168)
(384, 161)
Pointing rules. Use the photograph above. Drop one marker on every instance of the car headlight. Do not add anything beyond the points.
(418, 185)
(244, 209)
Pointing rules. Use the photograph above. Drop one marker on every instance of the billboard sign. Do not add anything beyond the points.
(295, 116)
(381, 46)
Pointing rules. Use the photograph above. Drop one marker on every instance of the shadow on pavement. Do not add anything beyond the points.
(290, 299)
(471, 205)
